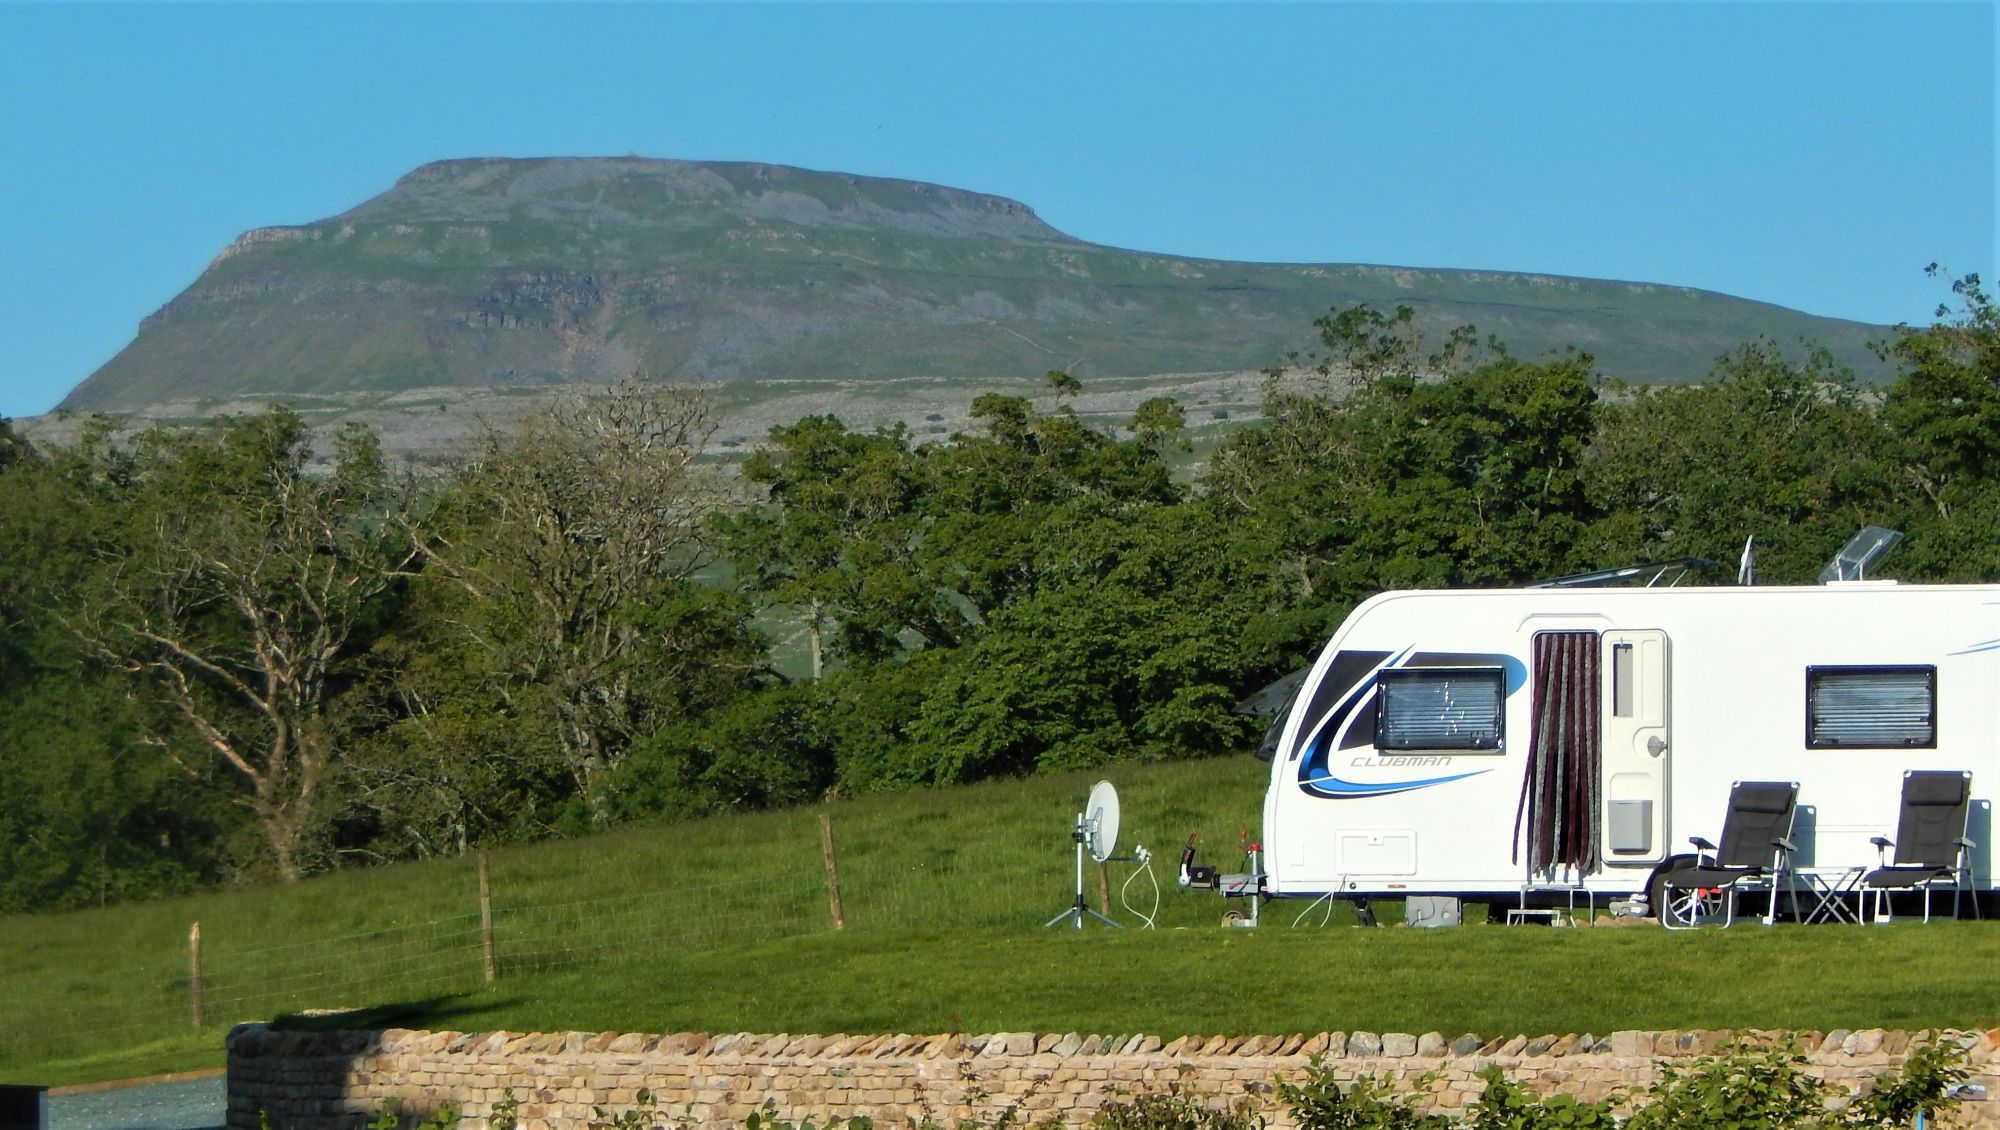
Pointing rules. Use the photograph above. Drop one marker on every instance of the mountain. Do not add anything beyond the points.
(488, 273)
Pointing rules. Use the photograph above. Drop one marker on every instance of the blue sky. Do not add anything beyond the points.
(1815, 155)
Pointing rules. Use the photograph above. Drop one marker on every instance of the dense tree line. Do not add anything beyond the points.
(220, 659)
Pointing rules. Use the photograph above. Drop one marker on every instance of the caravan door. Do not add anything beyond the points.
(1638, 750)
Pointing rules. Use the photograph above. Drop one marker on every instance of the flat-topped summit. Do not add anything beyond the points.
(642, 192)
(489, 272)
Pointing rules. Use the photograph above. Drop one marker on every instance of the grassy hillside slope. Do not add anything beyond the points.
(722, 925)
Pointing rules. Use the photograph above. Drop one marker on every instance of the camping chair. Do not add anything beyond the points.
(1756, 846)
(1930, 843)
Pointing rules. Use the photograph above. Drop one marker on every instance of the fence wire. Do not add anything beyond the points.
(153, 998)
(703, 916)
(150, 999)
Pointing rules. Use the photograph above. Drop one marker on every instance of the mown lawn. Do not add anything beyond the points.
(721, 925)
(1492, 980)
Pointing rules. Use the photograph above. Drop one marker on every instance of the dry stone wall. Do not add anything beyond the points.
(567, 1080)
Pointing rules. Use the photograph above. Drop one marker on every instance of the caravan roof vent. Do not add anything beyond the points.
(1859, 555)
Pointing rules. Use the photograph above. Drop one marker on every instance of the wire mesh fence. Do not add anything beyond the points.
(699, 901)
(342, 972)
(167, 993)
(530, 939)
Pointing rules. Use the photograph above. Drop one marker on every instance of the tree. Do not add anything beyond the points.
(1789, 451)
(988, 494)
(1380, 466)
(1127, 648)
(573, 542)
(879, 548)
(904, 564)
(236, 603)
(1474, 477)
(1160, 423)
(449, 764)
(833, 541)
(1946, 403)
(755, 751)
(87, 815)
(1944, 409)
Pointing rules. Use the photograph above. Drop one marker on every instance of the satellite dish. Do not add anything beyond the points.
(1096, 832)
(1100, 817)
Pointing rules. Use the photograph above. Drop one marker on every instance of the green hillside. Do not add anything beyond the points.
(481, 273)
(723, 925)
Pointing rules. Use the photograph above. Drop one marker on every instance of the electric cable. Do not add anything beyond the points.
(1145, 868)
(1326, 901)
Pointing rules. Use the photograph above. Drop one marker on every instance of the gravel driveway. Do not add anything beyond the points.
(191, 1104)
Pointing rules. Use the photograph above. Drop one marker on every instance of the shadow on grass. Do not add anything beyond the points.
(434, 1013)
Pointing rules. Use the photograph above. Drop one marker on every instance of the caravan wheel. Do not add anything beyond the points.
(1692, 907)
(1656, 886)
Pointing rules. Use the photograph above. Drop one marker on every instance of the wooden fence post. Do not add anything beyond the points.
(832, 872)
(486, 920)
(195, 1008)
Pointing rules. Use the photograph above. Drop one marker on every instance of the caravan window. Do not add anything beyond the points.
(1431, 708)
(1871, 707)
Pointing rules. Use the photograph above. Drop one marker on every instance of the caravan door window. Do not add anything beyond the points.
(1438, 708)
(1871, 708)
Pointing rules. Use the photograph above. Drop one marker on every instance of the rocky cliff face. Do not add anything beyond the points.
(491, 272)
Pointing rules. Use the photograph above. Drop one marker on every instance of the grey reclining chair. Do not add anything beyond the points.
(1756, 848)
(1930, 845)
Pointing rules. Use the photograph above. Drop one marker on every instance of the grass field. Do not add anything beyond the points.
(723, 925)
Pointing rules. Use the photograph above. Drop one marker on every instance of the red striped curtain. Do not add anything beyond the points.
(1557, 820)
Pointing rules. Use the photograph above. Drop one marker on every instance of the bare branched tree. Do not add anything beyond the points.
(234, 603)
(565, 532)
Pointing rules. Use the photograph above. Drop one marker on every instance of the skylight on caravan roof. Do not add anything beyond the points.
(1859, 555)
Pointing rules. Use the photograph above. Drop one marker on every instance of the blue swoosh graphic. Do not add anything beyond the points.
(1362, 688)
(1329, 785)
(1989, 645)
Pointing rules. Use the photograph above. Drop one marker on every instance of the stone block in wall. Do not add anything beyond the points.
(1865, 1042)
(1364, 1044)
(840, 1046)
(1630, 1044)
(1597, 1089)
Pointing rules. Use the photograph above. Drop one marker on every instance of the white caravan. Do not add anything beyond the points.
(1475, 743)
